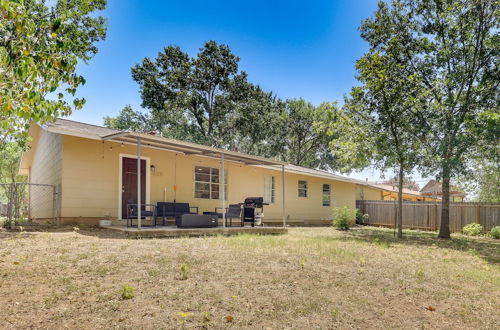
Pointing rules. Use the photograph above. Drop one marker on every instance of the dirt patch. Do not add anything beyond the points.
(310, 278)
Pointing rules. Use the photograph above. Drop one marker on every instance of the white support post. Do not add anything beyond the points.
(283, 193)
(139, 206)
(223, 175)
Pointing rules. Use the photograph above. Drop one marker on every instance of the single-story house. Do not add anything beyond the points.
(94, 170)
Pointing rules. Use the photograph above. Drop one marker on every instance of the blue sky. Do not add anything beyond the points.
(294, 48)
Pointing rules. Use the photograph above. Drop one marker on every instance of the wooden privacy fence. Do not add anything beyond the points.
(427, 215)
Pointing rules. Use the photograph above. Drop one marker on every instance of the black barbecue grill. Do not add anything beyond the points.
(251, 207)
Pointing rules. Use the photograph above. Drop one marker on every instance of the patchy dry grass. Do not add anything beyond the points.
(310, 278)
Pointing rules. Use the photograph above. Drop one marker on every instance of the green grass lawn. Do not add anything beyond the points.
(310, 278)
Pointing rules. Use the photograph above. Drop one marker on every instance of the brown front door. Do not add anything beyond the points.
(129, 183)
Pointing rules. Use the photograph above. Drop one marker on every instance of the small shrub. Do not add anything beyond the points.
(472, 229)
(495, 232)
(344, 217)
(184, 271)
(361, 218)
(6, 223)
(420, 275)
(127, 292)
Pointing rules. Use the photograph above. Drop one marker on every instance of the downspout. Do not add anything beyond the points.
(139, 206)
(223, 174)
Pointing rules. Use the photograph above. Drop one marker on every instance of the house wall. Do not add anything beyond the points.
(367, 193)
(90, 183)
(46, 168)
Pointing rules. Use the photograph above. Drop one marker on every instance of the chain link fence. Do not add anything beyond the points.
(27, 203)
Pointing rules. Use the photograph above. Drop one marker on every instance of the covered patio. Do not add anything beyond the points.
(142, 140)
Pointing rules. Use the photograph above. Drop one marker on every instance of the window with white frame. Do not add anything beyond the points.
(207, 183)
(326, 195)
(302, 188)
(269, 189)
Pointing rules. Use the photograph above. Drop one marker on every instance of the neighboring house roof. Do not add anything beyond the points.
(434, 187)
(394, 189)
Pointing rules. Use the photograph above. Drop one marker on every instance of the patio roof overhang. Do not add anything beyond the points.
(187, 148)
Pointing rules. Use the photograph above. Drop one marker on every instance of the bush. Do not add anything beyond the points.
(495, 232)
(361, 218)
(343, 217)
(184, 271)
(472, 229)
(127, 292)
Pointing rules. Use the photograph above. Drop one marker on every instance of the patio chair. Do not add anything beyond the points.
(232, 212)
(132, 213)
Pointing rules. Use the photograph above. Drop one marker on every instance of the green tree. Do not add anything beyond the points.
(488, 180)
(10, 156)
(131, 120)
(378, 120)
(205, 99)
(40, 46)
(408, 183)
(301, 138)
(451, 49)
(482, 183)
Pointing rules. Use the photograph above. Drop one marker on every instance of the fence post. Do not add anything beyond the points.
(478, 214)
(55, 212)
(429, 216)
(10, 201)
(436, 217)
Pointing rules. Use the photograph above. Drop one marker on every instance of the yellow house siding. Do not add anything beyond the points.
(367, 193)
(91, 183)
(46, 168)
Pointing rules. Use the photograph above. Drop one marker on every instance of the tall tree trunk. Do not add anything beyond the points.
(444, 228)
(400, 202)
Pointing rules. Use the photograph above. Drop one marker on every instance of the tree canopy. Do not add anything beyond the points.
(40, 46)
(128, 119)
(204, 99)
(208, 100)
(450, 49)
(302, 138)
(379, 119)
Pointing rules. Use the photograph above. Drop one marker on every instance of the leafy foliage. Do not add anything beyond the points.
(483, 182)
(379, 121)
(10, 156)
(39, 49)
(303, 140)
(208, 100)
(128, 119)
(448, 52)
(205, 99)
(361, 218)
(184, 271)
(343, 217)
(127, 292)
(495, 232)
(472, 229)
